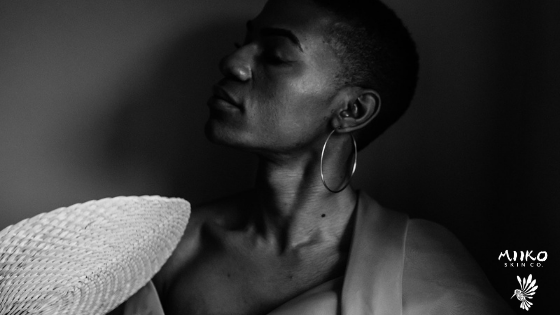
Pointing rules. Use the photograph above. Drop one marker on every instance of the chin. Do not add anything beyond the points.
(212, 133)
(218, 133)
(221, 134)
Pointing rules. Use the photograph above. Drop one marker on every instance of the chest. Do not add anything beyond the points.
(221, 281)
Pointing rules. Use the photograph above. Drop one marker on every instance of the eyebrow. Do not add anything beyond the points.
(272, 31)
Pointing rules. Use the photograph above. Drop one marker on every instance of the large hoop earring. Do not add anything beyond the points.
(353, 167)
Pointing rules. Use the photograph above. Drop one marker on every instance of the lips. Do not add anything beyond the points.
(220, 94)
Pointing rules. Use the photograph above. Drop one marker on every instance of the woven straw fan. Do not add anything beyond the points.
(87, 258)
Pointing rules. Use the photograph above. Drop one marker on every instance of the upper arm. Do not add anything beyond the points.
(435, 254)
(440, 276)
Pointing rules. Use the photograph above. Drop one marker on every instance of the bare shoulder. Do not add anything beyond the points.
(219, 212)
(441, 277)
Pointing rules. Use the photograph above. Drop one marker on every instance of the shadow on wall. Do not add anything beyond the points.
(160, 126)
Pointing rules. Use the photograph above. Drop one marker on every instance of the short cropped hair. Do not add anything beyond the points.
(377, 52)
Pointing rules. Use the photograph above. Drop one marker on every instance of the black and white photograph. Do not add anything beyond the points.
(254, 157)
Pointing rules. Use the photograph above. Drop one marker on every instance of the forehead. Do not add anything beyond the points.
(309, 22)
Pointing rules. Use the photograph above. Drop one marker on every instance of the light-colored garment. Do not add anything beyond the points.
(373, 281)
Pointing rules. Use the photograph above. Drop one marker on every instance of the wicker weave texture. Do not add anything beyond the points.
(87, 258)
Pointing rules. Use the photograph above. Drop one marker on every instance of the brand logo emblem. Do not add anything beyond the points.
(527, 291)
(523, 258)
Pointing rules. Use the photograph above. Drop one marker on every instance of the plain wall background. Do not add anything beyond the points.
(106, 98)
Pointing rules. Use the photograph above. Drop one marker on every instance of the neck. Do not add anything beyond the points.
(292, 206)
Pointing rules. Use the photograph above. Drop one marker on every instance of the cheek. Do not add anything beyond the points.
(310, 97)
(302, 107)
(293, 106)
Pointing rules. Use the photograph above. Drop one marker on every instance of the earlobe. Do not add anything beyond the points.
(359, 112)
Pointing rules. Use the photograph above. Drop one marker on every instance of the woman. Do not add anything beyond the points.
(309, 79)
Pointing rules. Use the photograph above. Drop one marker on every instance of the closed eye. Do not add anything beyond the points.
(272, 58)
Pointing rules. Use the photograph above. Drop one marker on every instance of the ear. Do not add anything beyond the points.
(357, 111)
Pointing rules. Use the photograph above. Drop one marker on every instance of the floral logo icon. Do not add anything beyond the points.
(527, 291)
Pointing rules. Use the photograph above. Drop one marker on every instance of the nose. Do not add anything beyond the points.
(237, 65)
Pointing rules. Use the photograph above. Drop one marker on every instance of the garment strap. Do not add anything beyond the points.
(373, 279)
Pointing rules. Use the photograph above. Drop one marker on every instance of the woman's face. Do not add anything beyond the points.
(279, 87)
